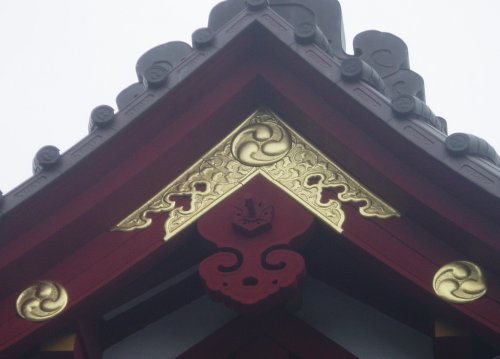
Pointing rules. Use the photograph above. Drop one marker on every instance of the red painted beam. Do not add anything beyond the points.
(383, 244)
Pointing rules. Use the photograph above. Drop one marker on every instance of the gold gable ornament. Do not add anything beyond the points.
(262, 145)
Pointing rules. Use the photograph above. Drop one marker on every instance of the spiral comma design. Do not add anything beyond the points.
(459, 282)
(261, 144)
(42, 301)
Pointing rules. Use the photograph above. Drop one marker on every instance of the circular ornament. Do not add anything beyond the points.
(46, 158)
(305, 32)
(403, 105)
(261, 144)
(203, 38)
(459, 282)
(100, 117)
(458, 144)
(155, 76)
(352, 69)
(42, 301)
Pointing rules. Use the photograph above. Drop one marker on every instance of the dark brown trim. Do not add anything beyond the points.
(277, 330)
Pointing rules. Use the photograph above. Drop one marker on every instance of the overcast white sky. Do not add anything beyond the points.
(61, 58)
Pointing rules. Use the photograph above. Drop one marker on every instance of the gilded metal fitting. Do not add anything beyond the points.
(42, 301)
(459, 282)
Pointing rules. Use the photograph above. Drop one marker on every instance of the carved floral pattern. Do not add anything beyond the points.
(264, 145)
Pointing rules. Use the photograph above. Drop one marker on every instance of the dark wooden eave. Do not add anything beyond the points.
(420, 144)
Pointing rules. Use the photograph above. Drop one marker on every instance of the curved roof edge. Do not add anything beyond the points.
(380, 63)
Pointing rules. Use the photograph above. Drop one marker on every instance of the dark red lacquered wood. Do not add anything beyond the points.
(274, 330)
(253, 272)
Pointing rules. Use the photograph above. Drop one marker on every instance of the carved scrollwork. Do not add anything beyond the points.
(206, 183)
(271, 258)
(304, 163)
(264, 145)
(42, 301)
(252, 273)
(229, 259)
(252, 288)
(292, 174)
(459, 282)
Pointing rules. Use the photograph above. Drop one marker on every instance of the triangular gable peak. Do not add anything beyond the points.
(377, 139)
(261, 145)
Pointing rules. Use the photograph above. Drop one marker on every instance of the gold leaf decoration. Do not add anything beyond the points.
(42, 301)
(459, 282)
(263, 145)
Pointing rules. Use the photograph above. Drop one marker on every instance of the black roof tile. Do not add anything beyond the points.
(380, 62)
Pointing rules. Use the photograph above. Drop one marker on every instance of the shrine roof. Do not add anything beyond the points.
(75, 220)
(380, 65)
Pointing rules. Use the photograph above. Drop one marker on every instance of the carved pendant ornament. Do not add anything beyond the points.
(261, 145)
(256, 267)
